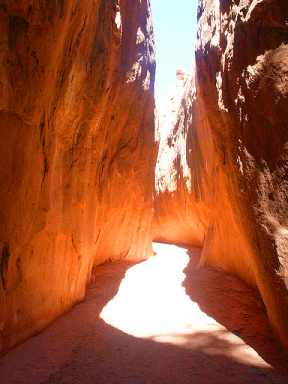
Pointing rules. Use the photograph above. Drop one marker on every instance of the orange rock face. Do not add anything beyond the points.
(234, 130)
(76, 150)
(175, 218)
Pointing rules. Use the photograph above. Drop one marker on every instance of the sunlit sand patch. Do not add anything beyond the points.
(152, 303)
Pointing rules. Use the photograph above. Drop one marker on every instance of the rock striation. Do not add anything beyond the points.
(233, 125)
(76, 150)
(175, 220)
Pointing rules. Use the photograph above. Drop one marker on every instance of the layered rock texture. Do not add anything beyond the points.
(76, 150)
(175, 218)
(233, 125)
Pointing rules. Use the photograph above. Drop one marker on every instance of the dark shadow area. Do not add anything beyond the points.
(235, 305)
(81, 348)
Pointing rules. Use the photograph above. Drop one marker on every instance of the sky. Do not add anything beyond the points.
(175, 35)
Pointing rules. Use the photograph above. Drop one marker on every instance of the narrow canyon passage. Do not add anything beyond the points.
(159, 321)
(103, 152)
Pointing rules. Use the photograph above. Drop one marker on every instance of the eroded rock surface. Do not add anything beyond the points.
(76, 150)
(235, 132)
(175, 218)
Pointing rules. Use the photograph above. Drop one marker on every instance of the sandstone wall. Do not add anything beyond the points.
(176, 218)
(76, 150)
(236, 146)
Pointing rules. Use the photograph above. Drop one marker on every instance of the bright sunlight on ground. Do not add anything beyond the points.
(152, 303)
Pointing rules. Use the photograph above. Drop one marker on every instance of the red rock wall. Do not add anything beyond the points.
(76, 150)
(236, 146)
(176, 217)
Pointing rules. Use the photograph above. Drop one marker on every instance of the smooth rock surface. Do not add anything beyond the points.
(76, 150)
(176, 218)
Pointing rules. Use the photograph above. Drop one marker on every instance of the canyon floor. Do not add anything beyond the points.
(163, 320)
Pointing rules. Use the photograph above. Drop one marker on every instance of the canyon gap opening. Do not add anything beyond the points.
(175, 28)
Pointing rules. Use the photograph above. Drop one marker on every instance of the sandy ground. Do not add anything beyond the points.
(159, 321)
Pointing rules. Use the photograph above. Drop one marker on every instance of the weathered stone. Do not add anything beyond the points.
(236, 147)
(76, 150)
(175, 218)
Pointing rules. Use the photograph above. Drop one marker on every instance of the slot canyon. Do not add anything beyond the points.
(136, 246)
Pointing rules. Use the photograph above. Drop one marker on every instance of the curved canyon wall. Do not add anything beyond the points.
(76, 150)
(176, 218)
(234, 126)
